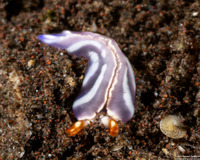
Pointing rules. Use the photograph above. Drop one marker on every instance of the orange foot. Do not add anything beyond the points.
(114, 129)
(77, 127)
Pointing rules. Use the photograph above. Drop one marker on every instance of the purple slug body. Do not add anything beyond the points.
(109, 80)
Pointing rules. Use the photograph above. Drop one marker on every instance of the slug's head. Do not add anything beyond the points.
(106, 121)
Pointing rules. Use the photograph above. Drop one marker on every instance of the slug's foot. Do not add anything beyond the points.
(112, 124)
(77, 127)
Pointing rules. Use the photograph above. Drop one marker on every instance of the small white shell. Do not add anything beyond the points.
(172, 127)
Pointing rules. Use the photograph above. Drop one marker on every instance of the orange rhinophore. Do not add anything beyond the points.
(76, 127)
(112, 124)
(114, 129)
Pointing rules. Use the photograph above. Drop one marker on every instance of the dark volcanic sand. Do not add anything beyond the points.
(38, 84)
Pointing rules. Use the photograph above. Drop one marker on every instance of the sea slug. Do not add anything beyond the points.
(109, 83)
